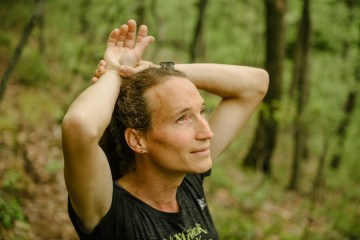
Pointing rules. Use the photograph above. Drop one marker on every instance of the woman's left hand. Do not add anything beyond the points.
(124, 71)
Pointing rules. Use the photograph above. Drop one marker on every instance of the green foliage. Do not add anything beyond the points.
(15, 14)
(32, 70)
(53, 166)
(46, 106)
(244, 205)
(232, 225)
(11, 180)
(349, 225)
(5, 40)
(10, 211)
(236, 35)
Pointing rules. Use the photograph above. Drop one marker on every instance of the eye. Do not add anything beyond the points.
(182, 118)
(202, 112)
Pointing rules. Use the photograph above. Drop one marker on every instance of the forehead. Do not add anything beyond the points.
(172, 96)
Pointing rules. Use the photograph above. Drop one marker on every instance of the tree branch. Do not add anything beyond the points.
(21, 45)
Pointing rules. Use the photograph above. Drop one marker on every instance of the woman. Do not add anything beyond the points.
(142, 179)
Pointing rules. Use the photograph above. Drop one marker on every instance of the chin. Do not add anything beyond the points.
(204, 167)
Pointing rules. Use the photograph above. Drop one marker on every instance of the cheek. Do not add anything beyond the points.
(171, 140)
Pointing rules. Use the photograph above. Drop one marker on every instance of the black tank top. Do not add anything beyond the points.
(130, 218)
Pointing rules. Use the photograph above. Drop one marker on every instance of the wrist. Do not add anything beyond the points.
(167, 64)
(111, 73)
(148, 64)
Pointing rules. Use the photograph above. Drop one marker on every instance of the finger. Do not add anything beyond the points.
(126, 71)
(113, 38)
(100, 71)
(94, 79)
(141, 46)
(122, 35)
(143, 32)
(97, 73)
(131, 34)
(148, 64)
(102, 63)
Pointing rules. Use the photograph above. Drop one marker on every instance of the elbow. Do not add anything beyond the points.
(76, 125)
(263, 82)
(256, 86)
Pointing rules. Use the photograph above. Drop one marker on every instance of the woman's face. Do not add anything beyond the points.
(179, 138)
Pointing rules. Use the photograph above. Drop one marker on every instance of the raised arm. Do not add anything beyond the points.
(241, 89)
(86, 169)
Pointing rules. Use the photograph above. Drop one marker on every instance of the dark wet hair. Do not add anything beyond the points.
(131, 111)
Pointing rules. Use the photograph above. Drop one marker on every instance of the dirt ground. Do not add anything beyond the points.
(31, 156)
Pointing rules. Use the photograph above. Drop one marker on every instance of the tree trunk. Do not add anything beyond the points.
(197, 45)
(140, 12)
(21, 45)
(264, 142)
(84, 22)
(350, 104)
(41, 38)
(316, 187)
(301, 78)
(158, 28)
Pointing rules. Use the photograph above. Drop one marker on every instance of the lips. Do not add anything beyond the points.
(202, 151)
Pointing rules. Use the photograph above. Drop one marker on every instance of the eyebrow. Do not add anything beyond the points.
(203, 105)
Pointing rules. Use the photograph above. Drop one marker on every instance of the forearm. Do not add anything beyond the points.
(241, 89)
(227, 81)
(91, 111)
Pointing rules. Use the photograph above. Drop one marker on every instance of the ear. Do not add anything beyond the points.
(135, 140)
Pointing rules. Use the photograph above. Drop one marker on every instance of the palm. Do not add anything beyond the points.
(115, 57)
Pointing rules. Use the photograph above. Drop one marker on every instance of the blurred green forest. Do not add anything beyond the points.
(67, 40)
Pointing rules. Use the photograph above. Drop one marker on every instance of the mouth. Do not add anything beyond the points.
(205, 151)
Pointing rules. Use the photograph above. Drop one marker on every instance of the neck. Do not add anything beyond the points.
(158, 191)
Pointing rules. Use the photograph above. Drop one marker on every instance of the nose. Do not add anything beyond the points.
(203, 130)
